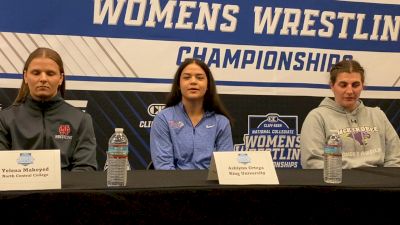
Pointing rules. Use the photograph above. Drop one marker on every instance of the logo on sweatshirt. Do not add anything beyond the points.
(64, 129)
(361, 137)
(175, 124)
(359, 134)
(63, 132)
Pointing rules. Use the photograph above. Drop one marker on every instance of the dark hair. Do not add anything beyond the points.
(40, 53)
(211, 100)
(346, 66)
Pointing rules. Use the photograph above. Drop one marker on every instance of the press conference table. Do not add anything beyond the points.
(366, 196)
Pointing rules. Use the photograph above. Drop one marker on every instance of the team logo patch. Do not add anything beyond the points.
(175, 124)
(275, 133)
(361, 137)
(64, 129)
(63, 132)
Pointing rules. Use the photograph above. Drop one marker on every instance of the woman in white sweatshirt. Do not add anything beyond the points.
(368, 137)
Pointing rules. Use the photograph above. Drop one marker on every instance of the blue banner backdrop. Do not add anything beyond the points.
(270, 60)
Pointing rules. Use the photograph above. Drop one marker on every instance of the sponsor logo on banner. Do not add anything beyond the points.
(275, 133)
(152, 110)
(64, 129)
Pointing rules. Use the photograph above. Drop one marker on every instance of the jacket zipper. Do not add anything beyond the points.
(44, 131)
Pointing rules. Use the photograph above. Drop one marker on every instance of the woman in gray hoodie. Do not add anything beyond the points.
(368, 137)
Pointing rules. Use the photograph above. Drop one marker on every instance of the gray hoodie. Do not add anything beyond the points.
(368, 137)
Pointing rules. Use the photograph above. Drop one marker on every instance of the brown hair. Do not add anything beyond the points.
(346, 66)
(211, 100)
(38, 53)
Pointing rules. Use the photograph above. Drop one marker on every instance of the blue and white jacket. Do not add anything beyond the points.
(176, 144)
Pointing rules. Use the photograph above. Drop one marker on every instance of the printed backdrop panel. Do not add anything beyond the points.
(281, 47)
(270, 60)
(252, 130)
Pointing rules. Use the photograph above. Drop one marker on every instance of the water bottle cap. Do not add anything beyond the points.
(119, 130)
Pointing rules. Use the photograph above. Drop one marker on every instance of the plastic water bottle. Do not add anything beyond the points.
(117, 159)
(333, 159)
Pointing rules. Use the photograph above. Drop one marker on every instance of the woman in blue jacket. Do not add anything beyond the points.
(194, 123)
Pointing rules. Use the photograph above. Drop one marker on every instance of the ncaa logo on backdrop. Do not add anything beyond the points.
(275, 133)
(152, 110)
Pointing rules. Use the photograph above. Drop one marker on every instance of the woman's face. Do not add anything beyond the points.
(193, 83)
(347, 89)
(43, 78)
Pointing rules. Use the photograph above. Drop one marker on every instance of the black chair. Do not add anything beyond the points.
(150, 166)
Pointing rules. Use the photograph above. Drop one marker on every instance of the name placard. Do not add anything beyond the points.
(30, 170)
(250, 167)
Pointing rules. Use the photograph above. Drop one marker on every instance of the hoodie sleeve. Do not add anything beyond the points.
(392, 144)
(84, 158)
(161, 147)
(224, 136)
(312, 141)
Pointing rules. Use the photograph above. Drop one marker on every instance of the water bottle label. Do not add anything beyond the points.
(118, 148)
(331, 149)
